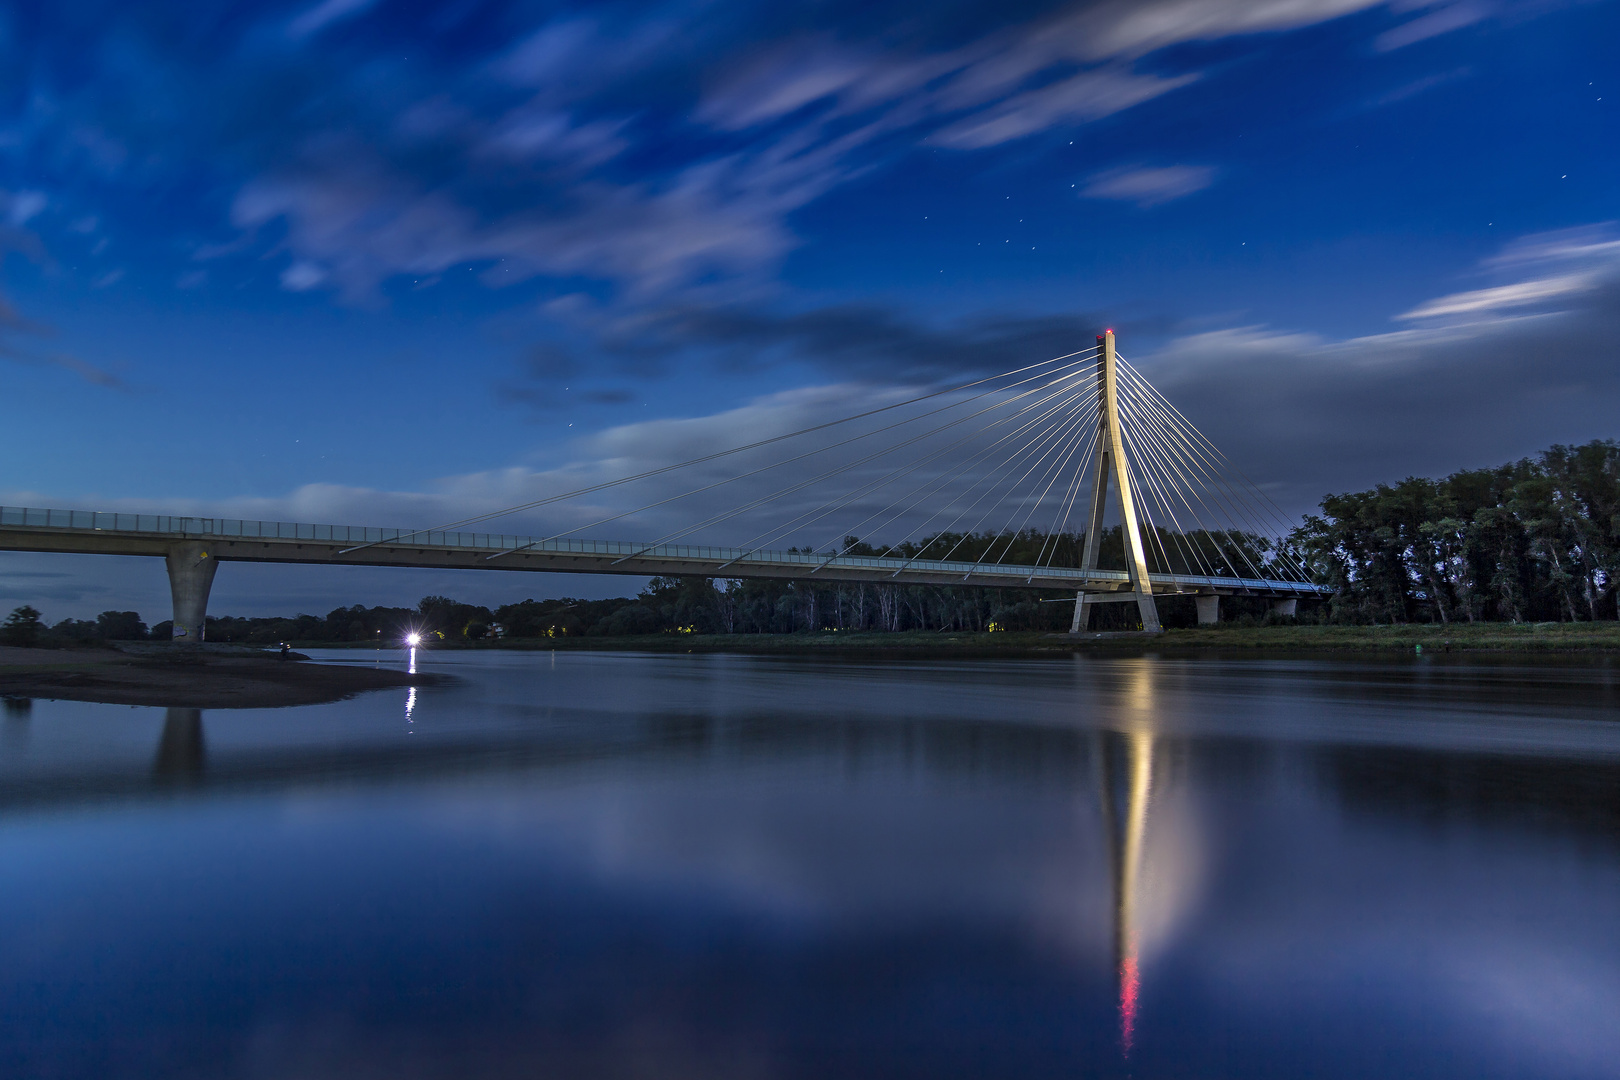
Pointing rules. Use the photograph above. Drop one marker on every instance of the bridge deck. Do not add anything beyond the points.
(233, 540)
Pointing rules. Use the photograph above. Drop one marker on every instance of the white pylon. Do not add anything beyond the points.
(1111, 466)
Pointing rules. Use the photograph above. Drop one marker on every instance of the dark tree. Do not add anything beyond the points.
(120, 626)
(22, 627)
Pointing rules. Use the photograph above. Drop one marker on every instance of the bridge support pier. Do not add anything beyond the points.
(1285, 608)
(191, 575)
(1209, 609)
(1082, 612)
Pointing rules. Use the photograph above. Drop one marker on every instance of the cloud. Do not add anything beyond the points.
(364, 223)
(653, 154)
(1090, 95)
(1493, 375)
(1128, 28)
(325, 14)
(302, 276)
(1453, 16)
(1149, 186)
(1418, 86)
(19, 206)
(1592, 246)
(995, 72)
(1503, 297)
(14, 326)
(548, 154)
(1566, 263)
(18, 333)
(868, 341)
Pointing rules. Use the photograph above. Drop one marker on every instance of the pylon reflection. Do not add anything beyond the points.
(1127, 790)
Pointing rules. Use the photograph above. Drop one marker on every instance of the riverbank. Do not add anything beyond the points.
(1565, 638)
(178, 676)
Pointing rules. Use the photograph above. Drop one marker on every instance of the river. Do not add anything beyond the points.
(584, 864)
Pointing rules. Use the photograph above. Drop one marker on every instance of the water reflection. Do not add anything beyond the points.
(1125, 834)
(621, 865)
(180, 753)
(14, 733)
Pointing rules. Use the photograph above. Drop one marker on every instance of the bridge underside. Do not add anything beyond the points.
(192, 546)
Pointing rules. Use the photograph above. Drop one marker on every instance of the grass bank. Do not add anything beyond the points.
(188, 677)
(1569, 638)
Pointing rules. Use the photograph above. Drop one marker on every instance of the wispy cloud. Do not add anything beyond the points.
(871, 342)
(325, 14)
(1149, 186)
(1417, 86)
(1087, 96)
(20, 335)
(1453, 16)
(19, 206)
(1562, 265)
(517, 161)
(17, 344)
(1519, 295)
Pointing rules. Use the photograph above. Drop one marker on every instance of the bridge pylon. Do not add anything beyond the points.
(1112, 475)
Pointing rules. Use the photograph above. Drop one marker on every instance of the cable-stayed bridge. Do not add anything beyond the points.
(1006, 481)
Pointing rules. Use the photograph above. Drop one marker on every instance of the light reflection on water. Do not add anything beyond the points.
(619, 865)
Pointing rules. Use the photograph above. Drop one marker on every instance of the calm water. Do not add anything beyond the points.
(582, 865)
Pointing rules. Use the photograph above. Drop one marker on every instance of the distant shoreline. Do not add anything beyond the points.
(220, 676)
(1539, 638)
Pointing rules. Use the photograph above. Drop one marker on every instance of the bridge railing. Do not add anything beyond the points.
(1012, 574)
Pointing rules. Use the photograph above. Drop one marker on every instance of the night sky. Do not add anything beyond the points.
(395, 263)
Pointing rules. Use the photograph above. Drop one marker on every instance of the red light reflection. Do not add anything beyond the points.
(1128, 985)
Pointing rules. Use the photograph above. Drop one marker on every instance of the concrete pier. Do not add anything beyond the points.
(1285, 608)
(1209, 609)
(191, 575)
(1082, 613)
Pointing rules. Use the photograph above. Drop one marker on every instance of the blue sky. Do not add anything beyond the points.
(390, 262)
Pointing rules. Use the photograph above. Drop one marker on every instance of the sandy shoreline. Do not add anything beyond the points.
(189, 679)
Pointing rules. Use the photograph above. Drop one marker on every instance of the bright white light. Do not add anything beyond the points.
(413, 640)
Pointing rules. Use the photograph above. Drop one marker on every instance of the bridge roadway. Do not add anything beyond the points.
(194, 546)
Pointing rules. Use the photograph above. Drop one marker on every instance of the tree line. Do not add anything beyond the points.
(1535, 540)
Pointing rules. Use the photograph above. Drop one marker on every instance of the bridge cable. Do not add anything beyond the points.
(806, 454)
(1279, 521)
(1209, 534)
(1194, 454)
(1032, 501)
(916, 494)
(1059, 469)
(946, 532)
(791, 489)
(960, 468)
(833, 505)
(1075, 487)
(1091, 407)
(1157, 483)
(1153, 437)
(995, 506)
(922, 491)
(593, 488)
